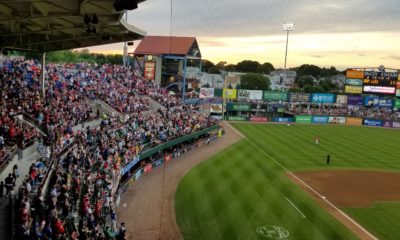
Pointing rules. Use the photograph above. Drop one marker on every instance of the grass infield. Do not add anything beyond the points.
(241, 189)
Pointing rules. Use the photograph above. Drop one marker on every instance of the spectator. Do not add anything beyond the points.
(1, 189)
(9, 182)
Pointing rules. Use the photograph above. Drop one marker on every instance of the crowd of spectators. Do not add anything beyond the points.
(344, 110)
(80, 200)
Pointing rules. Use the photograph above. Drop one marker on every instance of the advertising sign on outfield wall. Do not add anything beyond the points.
(397, 104)
(353, 89)
(373, 122)
(284, 120)
(258, 119)
(378, 102)
(337, 120)
(237, 118)
(303, 119)
(229, 93)
(387, 124)
(320, 119)
(353, 121)
(354, 100)
(379, 89)
(350, 73)
(354, 82)
(323, 98)
(249, 94)
(215, 108)
(341, 99)
(396, 124)
(275, 96)
(299, 97)
(239, 107)
(206, 93)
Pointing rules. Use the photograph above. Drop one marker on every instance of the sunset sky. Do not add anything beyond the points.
(342, 33)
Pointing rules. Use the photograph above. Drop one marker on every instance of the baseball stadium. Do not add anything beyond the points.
(150, 145)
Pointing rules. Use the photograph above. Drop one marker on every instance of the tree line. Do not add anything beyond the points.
(309, 78)
(74, 56)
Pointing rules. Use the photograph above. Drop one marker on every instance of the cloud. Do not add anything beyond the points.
(393, 57)
(235, 18)
(341, 32)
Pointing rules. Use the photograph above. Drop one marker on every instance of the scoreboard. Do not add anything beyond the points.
(384, 79)
(380, 82)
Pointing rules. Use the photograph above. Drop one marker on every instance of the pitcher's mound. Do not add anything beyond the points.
(348, 188)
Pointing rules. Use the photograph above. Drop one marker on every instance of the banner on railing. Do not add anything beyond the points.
(138, 174)
(130, 165)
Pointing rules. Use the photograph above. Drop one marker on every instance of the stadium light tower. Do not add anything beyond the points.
(288, 27)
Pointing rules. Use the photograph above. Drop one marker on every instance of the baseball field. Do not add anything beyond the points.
(276, 184)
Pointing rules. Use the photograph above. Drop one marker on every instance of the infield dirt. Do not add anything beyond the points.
(346, 188)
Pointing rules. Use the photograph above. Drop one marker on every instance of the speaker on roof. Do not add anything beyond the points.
(130, 43)
(131, 4)
(121, 5)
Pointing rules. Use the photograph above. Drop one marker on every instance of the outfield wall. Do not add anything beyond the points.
(318, 119)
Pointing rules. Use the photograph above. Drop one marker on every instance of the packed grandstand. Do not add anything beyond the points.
(90, 162)
(73, 187)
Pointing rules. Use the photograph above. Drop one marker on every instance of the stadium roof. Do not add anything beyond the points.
(160, 45)
(50, 25)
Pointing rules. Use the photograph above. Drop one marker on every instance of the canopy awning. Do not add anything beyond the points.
(51, 25)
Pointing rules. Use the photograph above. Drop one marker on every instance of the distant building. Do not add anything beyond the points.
(338, 79)
(205, 79)
(279, 82)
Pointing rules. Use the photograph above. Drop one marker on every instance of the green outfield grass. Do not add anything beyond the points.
(242, 188)
(382, 219)
(350, 147)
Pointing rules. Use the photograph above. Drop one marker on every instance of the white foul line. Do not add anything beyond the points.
(234, 129)
(291, 203)
(314, 191)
